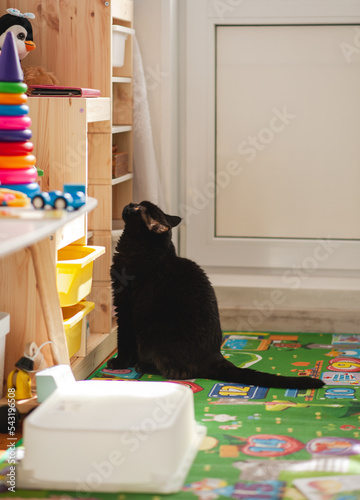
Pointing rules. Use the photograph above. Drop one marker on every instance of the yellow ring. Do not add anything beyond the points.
(12, 98)
(17, 161)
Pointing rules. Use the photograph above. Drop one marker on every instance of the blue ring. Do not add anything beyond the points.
(14, 109)
(15, 135)
(30, 189)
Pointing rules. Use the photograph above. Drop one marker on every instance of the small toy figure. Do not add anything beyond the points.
(19, 24)
(11, 198)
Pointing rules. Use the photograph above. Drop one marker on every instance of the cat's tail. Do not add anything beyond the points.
(225, 371)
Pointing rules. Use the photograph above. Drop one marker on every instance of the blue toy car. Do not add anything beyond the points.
(72, 197)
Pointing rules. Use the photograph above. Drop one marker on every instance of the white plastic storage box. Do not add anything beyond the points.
(51, 378)
(119, 37)
(124, 437)
(4, 330)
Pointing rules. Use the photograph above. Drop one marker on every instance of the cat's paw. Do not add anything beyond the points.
(117, 364)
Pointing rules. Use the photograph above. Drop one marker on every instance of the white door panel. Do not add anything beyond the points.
(272, 133)
(288, 109)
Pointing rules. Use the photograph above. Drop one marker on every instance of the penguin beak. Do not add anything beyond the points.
(29, 46)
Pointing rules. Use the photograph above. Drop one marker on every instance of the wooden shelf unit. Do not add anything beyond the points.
(28, 284)
(74, 41)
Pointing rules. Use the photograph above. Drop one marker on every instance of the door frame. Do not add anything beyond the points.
(198, 185)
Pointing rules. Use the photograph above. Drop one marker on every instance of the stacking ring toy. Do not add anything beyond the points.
(15, 135)
(13, 98)
(14, 122)
(15, 148)
(17, 176)
(30, 189)
(13, 87)
(15, 162)
(13, 110)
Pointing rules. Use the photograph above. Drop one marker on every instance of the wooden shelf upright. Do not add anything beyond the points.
(74, 40)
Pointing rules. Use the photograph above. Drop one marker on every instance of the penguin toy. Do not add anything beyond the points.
(20, 25)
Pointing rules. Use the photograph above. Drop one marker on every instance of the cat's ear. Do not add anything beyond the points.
(173, 220)
(152, 224)
(155, 226)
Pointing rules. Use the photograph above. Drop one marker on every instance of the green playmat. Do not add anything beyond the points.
(268, 443)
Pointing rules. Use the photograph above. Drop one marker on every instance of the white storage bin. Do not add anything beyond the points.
(119, 37)
(124, 437)
(4, 330)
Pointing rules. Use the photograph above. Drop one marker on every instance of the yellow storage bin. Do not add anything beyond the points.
(73, 318)
(74, 270)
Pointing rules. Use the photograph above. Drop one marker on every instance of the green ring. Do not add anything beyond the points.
(13, 87)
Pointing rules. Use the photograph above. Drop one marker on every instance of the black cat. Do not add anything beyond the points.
(167, 313)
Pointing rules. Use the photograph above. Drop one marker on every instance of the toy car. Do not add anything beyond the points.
(72, 197)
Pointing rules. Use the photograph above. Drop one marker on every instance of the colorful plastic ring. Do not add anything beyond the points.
(15, 135)
(14, 110)
(14, 122)
(30, 189)
(17, 176)
(15, 148)
(13, 87)
(16, 162)
(13, 98)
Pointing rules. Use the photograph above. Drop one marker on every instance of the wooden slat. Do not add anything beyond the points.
(100, 218)
(44, 267)
(99, 348)
(122, 195)
(122, 104)
(97, 109)
(101, 271)
(122, 10)
(101, 295)
(100, 158)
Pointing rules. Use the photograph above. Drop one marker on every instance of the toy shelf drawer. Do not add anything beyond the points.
(74, 320)
(74, 270)
(119, 37)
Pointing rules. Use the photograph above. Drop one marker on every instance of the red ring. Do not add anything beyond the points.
(15, 148)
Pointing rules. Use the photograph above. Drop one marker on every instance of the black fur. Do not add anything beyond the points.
(167, 313)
